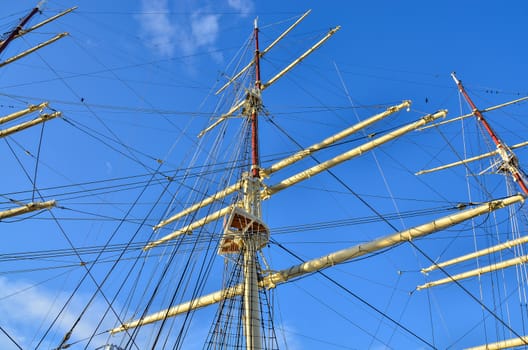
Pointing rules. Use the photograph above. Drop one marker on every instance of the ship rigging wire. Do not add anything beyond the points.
(174, 188)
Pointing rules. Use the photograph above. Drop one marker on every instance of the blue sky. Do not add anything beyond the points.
(135, 82)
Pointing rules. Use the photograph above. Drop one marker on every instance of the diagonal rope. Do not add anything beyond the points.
(10, 338)
(356, 296)
(37, 162)
(376, 212)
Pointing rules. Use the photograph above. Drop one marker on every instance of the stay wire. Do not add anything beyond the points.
(491, 312)
(76, 124)
(204, 272)
(80, 184)
(131, 339)
(356, 296)
(374, 336)
(411, 242)
(19, 163)
(200, 285)
(34, 285)
(10, 338)
(37, 162)
(479, 324)
(88, 269)
(93, 113)
(173, 297)
(158, 286)
(226, 310)
(177, 245)
(87, 274)
(129, 87)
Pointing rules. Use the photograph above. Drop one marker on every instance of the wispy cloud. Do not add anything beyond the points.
(244, 7)
(159, 32)
(204, 28)
(29, 307)
(200, 30)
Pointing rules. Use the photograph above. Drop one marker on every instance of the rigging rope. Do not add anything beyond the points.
(356, 296)
(37, 162)
(10, 338)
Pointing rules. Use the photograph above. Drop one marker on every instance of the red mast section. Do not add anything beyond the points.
(255, 163)
(509, 158)
(19, 27)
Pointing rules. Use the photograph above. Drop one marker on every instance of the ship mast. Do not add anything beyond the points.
(245, 233)
(17, 32)
(510, 162)
(18, 28)
(252, 206)
(254, 110)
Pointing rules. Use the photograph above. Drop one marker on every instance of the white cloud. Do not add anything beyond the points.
(245, 7)
(204, 28)
(199, 31)
(164, 35)
(28, 310)
(159, 33)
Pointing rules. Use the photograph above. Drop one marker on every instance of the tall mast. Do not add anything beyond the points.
(19, 27)
(19, 31)
(245, 234)
(254, 113)
(509, 159)
(252, 206)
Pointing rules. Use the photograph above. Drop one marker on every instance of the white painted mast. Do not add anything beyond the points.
(263, 52)
(503, 344)
(288, 161)
(19, 30)
(482, 252)
(240, 104)
(476, 272)
(22, 126)
(247, 213)
(33, 49)
(469, 160)
(329, 260)
(252, 185)
(267, 192)
(26, 208)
